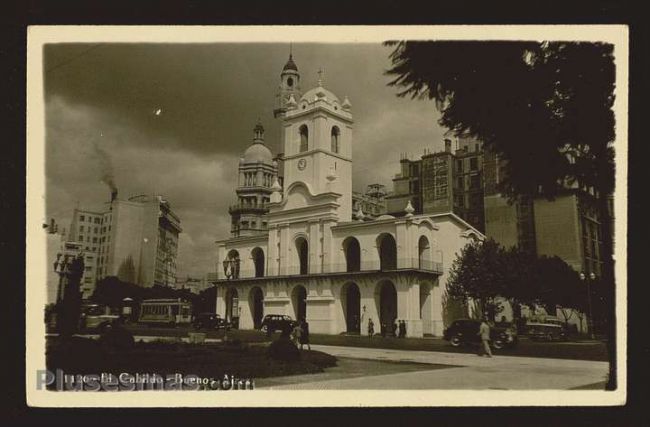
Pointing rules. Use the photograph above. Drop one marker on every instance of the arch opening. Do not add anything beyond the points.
(387, 252)
(336, 133)
(256, 303)
(424, 254)
(386, 298)
(351, 301)
(352, 251)
(258, 260)
(304, 139)
(302, 248)
(231, 265)
(299, 302)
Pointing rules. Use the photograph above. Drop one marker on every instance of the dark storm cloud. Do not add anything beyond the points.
(173, 119)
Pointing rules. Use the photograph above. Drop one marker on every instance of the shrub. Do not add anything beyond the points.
(283, 349)
(117, 338)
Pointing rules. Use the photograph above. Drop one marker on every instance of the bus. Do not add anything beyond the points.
(166, 311)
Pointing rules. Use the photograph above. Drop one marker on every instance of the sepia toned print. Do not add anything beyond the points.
(430, 211)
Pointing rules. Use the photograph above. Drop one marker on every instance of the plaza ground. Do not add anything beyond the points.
(430, 363)
(450, 371)
(593, 350)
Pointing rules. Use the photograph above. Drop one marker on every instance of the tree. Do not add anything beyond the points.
(545, 108)
(478, 274)
(560, 287)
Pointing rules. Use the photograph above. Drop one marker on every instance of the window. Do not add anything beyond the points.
(335, 139)
(304, 138)
(97, 221)
(475, 182)
(94, 239)
(459, 166)
(473, 163)
(81, 238)
(81, 228)
(82, 218)
(95, 231)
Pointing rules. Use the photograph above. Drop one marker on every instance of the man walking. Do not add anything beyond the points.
(484, 333)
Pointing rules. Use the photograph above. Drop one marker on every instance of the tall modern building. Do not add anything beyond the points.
(568, 226)
(84, 235)
(445, 181)
(135, 240)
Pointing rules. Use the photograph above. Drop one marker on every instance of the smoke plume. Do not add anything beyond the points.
(105, 167)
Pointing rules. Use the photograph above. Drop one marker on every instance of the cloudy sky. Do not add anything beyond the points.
(101, 103)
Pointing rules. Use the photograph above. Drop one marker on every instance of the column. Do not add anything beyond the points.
(314, 248)
(283, 255)
(221, 300)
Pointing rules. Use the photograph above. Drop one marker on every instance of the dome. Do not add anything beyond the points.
(319, 92)
(258, 153)
(290, 65)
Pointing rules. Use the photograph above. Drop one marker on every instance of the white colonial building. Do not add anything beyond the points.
(318, 260)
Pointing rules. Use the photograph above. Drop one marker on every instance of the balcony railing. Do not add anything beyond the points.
(243, 206)
(365, 266)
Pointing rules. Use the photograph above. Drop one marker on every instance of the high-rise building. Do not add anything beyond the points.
(84, 236)
(567, 226)
(440, 182)
(135, 240)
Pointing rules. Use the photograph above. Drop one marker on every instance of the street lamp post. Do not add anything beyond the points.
(590, 321)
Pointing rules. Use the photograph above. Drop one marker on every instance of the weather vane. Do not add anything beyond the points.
(321, 72)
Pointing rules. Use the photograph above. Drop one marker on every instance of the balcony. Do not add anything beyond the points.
(403, 264)
(243, 207)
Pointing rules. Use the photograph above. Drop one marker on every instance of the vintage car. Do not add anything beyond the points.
(546, 332)
(210, 321)
(465, 331)
(97, 317)
(277, 322)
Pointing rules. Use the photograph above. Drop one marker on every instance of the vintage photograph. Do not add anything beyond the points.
(424, 210)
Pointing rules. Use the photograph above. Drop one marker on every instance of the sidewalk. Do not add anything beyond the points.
(466, 372)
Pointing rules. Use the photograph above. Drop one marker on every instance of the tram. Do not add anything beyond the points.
(166, 311)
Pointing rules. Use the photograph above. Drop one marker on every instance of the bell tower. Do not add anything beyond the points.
(289, 85)
(318, 145)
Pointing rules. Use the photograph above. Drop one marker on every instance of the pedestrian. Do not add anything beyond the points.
(371, 328)
(395, 327)
(304, 335)
(296, 334)
(402, 329)
(484, 334)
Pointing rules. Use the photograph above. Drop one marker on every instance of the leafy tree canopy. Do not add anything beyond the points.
(546, 108)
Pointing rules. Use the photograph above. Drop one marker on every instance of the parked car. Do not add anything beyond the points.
(210, 321)
(465, 331)
(97, 317)
(546, 332)
(276, 322)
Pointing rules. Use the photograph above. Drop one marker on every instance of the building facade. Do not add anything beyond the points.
(445, 181)
(315, 261)
(567, 226)
(135, 240)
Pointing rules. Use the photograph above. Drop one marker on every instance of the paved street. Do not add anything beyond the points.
(466, 371)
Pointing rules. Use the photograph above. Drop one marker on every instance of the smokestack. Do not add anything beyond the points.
(447, 145)
(113, 196)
